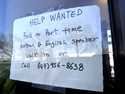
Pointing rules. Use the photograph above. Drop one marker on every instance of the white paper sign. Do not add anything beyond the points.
(60, 48)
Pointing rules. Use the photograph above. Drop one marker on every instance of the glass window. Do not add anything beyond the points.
(11, 10)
